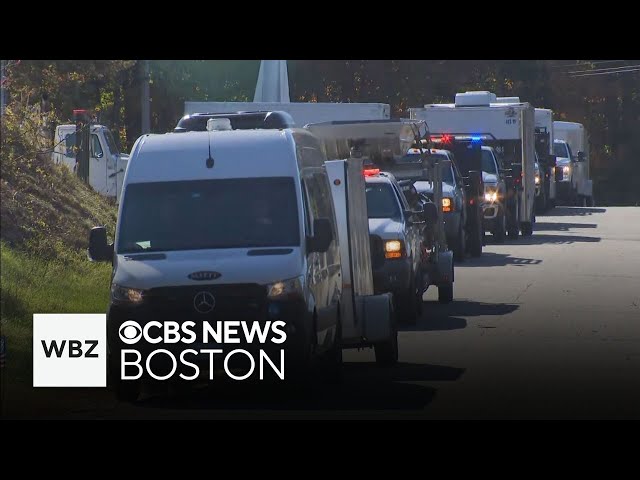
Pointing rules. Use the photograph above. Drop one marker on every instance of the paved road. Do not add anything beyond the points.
(545, 327)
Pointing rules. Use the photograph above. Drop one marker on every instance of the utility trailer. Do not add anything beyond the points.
(478, 118)
(546, 158)
(302, 112)
(379, 144)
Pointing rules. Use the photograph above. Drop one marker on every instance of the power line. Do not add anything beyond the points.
(605, 69)
(585, 63)
(607, 73)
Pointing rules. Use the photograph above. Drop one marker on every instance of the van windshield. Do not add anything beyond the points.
(203, 214)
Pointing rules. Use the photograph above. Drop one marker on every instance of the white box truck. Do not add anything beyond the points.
(478, 118)
(302, 112)
(576, 185)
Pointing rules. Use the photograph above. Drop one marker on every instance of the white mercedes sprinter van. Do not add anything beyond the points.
(226, 225)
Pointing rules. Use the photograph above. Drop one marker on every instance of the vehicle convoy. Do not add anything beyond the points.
(106, 165)
(546, 160)
(289, 240)
(476, 119)
(456, 209)
(571, 148)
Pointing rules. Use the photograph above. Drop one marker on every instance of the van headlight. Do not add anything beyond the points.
(285, 289)
(566, 171)
(537, 179)
(121, 294)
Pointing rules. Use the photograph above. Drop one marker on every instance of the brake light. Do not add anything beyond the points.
(368, 172)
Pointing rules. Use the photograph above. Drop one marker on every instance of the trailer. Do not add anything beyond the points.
(303, 113)
(546, 157)
(478, 118)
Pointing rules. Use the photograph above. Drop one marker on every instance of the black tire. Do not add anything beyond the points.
(406, 305)
(527, 229)
(332, 361)
(125, 390)
(445, 293)
(541, 202)
(300, 358)
(500, 228)
(513, 230)
(387, 352)
(459, 244)
(476, 240)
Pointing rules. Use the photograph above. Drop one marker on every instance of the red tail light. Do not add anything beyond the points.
(368, 172)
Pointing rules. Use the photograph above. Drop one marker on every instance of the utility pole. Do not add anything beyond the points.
(145, 110)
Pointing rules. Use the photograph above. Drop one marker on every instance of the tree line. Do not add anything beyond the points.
(607, 104)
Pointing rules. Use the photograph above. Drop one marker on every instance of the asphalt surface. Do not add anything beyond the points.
(546, 327)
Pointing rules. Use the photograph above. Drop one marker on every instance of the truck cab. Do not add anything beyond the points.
(455, 204)
(107, 165)
(399, 227)
(565, 163)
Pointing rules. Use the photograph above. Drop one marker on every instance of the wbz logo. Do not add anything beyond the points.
(74, 349)
(69, 350)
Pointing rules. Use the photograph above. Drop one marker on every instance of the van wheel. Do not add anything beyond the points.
(445, 293)
(387, 352)
(332, 371)
(125, 390)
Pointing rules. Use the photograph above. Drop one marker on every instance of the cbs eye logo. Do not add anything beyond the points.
(130, 332)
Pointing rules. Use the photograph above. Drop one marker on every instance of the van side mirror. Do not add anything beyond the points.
(580, 157)
(322, 236)
(99, 250)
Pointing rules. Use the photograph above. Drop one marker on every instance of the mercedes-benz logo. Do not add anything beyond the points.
(204, 302)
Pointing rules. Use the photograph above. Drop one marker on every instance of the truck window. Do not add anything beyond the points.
(382, 201)
(96, 148)
(70, 145)
(560, 150)
(488, 163)
(112, 146)
(209, 214)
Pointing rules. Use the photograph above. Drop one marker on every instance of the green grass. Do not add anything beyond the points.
(32, 284)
